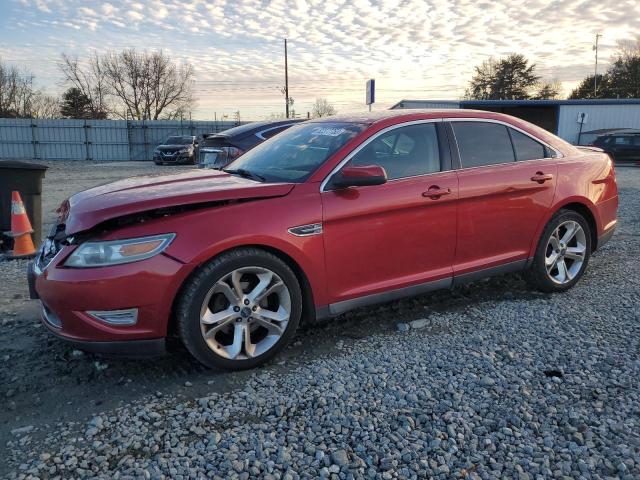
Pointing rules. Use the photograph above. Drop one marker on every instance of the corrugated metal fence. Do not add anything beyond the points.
(32, 139)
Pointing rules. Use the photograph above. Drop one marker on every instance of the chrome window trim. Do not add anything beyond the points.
(351, 154)
(261, 133)
(556, 153)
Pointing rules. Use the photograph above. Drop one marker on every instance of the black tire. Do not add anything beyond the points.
(537, 276)
(197, 287)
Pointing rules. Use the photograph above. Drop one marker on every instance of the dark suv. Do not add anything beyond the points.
(176, 149)
(219, 149)
(621, 146)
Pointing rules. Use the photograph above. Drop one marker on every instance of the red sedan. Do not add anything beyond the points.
(328, 216)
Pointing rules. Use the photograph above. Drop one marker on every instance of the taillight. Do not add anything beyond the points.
(218, 157)
(229, 154)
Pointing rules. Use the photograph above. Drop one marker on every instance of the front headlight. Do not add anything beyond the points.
(115, 252)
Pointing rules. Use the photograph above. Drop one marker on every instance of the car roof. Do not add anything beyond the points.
(370, 118)
(249, 128)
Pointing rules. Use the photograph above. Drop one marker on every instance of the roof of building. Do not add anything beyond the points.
(531, 103)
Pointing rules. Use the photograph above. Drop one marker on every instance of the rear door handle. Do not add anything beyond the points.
(541, 177)
(435, 192)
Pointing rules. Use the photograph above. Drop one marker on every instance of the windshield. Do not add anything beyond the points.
(293, 155)
(179, 141)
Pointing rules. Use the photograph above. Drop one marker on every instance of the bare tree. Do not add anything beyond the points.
(16, 91)
(143, 85)
(90, 79)
(322, 108)
(44, 106)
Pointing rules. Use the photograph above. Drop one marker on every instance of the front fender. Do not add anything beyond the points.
(203, 234)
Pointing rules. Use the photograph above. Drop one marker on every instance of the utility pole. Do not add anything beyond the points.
(286, 79)
(595, 73)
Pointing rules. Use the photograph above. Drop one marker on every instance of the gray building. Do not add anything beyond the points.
(576, 121)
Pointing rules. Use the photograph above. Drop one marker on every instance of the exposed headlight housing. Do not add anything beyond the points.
(116, 252)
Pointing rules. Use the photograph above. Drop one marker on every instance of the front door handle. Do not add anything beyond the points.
(435, 192)
(541, 177)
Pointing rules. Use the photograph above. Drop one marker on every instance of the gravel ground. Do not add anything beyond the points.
(488, 380)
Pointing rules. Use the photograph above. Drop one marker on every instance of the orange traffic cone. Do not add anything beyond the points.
(20, 229)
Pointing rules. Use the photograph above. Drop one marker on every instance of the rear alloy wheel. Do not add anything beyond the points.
(565, 252)
(562, 254)
(240, 309)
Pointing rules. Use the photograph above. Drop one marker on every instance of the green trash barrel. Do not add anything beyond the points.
(25, 178)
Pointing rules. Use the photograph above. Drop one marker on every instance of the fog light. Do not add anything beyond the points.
(116, 317)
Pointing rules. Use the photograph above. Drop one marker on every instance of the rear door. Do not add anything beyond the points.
(506, 185)
(395, 235)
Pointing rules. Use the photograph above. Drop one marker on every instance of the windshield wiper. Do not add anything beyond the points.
(245, 173)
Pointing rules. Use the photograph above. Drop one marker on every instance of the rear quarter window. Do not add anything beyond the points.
(482, 143)
(525, 147)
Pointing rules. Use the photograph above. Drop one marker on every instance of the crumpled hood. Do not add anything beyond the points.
(91, 207)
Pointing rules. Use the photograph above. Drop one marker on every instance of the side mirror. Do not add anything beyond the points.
(359, 176)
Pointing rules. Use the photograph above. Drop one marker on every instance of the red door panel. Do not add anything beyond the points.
(499, 210)
(389, 236)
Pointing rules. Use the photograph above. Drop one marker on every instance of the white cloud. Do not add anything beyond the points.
(87, 11)
(135, 15)
(108, 9)
(414, 48)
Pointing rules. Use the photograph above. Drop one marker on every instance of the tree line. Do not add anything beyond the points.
(514, 78)
(130, 84)
(142, 85)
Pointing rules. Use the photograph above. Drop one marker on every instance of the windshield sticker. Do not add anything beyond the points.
(328, 131)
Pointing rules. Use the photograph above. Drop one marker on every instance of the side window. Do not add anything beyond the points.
(482, 143)
(526, 148)
(403, 152)
(622, 141)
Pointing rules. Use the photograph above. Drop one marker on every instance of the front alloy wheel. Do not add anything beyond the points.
(245, 313)
(239, 309)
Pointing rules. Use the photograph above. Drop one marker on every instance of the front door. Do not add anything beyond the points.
(395, 235)
(506, 186)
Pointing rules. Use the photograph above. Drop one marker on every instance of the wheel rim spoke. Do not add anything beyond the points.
(272, 289)
(210, 318)
(235, 348)
(572, 228)
(235, 281)
(562, 271)
(261, 287)
(227, 291)
(279, 316)
(249, 347)
(272, 327)
(211, 333)
(575, 253)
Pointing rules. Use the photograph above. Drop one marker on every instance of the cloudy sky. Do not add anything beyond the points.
(414, 48)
